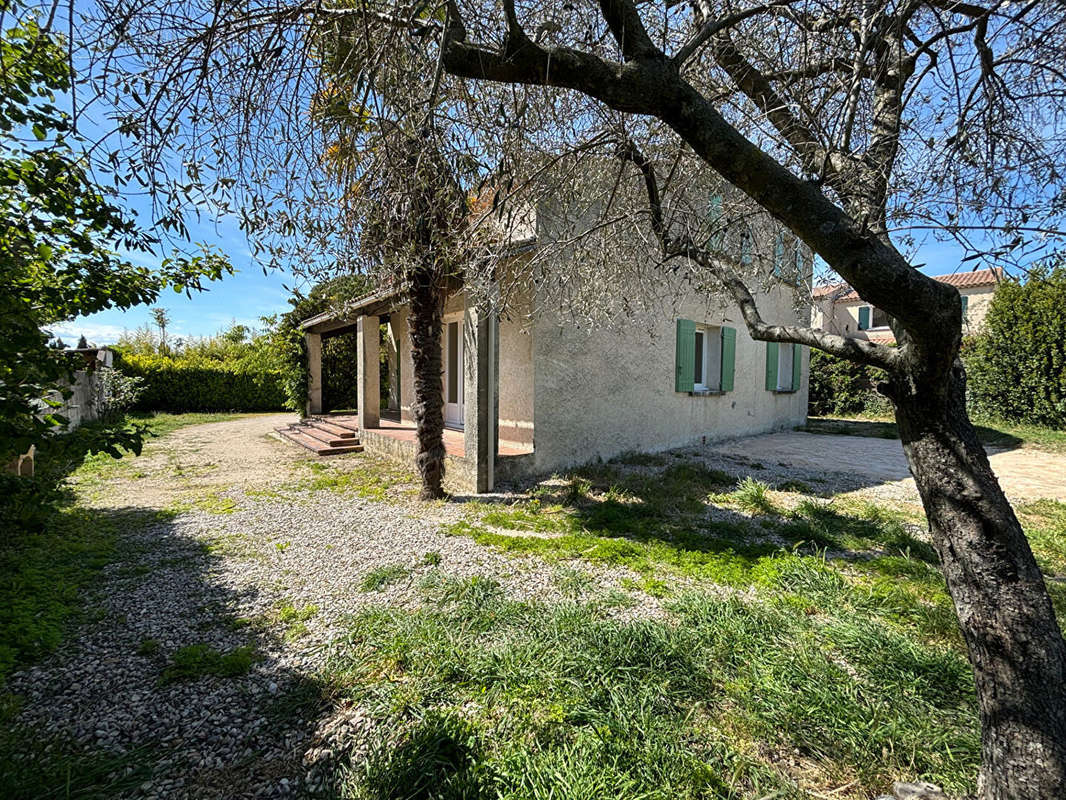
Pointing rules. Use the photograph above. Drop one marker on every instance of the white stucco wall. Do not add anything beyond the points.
(515, 369)
(599, 393)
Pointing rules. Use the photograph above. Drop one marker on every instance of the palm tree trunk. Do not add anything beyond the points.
(426, 318)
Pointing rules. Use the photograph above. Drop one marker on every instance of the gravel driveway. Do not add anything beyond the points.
(220, 534)
(227, 541)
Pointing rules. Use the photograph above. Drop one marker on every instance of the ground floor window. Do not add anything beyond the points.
(707, 373)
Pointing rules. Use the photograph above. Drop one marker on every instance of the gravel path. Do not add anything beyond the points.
(220, 535)
(220, 579)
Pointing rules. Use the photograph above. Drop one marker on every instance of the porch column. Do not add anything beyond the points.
(314, 373)
(480, 370)
(393, 355)
(368, 354)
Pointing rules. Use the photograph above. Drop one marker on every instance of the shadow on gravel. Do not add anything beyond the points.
(173, 684)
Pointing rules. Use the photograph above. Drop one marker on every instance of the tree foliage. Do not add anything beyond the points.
(1017, 364)
(59, 231)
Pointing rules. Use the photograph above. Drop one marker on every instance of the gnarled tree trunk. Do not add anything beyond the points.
(425, 322)
(1004, 611)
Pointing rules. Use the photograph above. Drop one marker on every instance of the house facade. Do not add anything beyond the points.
(839, 309)
(529, 392)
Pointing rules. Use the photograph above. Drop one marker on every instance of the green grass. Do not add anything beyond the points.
(34, 768)
(369, 478)
(485, 697)
(196, 661)
(160, 423)
(380, 577)
(46, 576)
(993, 433)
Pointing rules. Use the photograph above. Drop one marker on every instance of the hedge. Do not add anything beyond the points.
(842, 387)
(178, 386)
(1017, 365)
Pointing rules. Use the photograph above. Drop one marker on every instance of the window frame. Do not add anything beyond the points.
(785, 374)
(710, 335)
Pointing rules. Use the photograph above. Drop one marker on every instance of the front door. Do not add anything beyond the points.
(453, 373)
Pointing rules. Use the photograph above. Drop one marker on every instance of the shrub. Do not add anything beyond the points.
(180, 385)
(839, 386)
(1017, 365)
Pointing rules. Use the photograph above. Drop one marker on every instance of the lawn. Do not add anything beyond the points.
(803, 646)
(749, 641)
(992, 433)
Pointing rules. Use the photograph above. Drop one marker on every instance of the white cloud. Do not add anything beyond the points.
(95, 332)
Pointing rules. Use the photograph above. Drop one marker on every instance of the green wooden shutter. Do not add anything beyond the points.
(779, 255)
(714, 219)
(965, 303)
(747, 257)
(685, 356)
(729, 357)
(797, 364)
(771, 366)
(864, 318)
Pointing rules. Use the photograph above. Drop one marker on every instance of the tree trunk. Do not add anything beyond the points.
(1005, 613)
(428, 408)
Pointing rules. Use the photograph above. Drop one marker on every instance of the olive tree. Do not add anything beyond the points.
(858, 126)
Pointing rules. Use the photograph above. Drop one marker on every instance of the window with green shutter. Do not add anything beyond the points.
(864, 318)
(715, 220)
(771, 366)
(779, 256)
(729, 357)
(965, 304)
(685, 356)
(784, 365)
(797, 366)
(747, 246)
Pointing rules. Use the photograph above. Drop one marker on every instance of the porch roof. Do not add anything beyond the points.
(340, 319)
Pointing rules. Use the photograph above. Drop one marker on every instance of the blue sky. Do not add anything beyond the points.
(243, 297)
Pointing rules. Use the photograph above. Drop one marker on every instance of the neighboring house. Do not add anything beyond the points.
(531, 392)
(839, 309)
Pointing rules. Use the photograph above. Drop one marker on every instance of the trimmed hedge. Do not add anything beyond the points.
(842, 387)
(178, 386)
(1017, 365)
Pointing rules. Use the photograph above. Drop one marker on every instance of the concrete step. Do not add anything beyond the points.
(344, 423)
(325, 437)
(317, 446)
(339, 431)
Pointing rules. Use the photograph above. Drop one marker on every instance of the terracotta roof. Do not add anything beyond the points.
(960, 280)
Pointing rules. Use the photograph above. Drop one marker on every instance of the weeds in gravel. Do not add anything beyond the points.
(380, 577)
(728, 699)
(148, 647)
(47, 575)
(196, 661)
(370, 478)
(430, 559)
(750, 496)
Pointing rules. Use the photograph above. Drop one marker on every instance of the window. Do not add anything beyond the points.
(707, 360)
(704, 358)
(779, 256)
(872, 317)
(747, 255)
(714, 220)
(783, 367)
(786, 352)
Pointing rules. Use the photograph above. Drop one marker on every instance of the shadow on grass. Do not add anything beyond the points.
(122, 615)
(878, 429)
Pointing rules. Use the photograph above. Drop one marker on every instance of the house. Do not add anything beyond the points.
(529, 391)
(839, 309)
